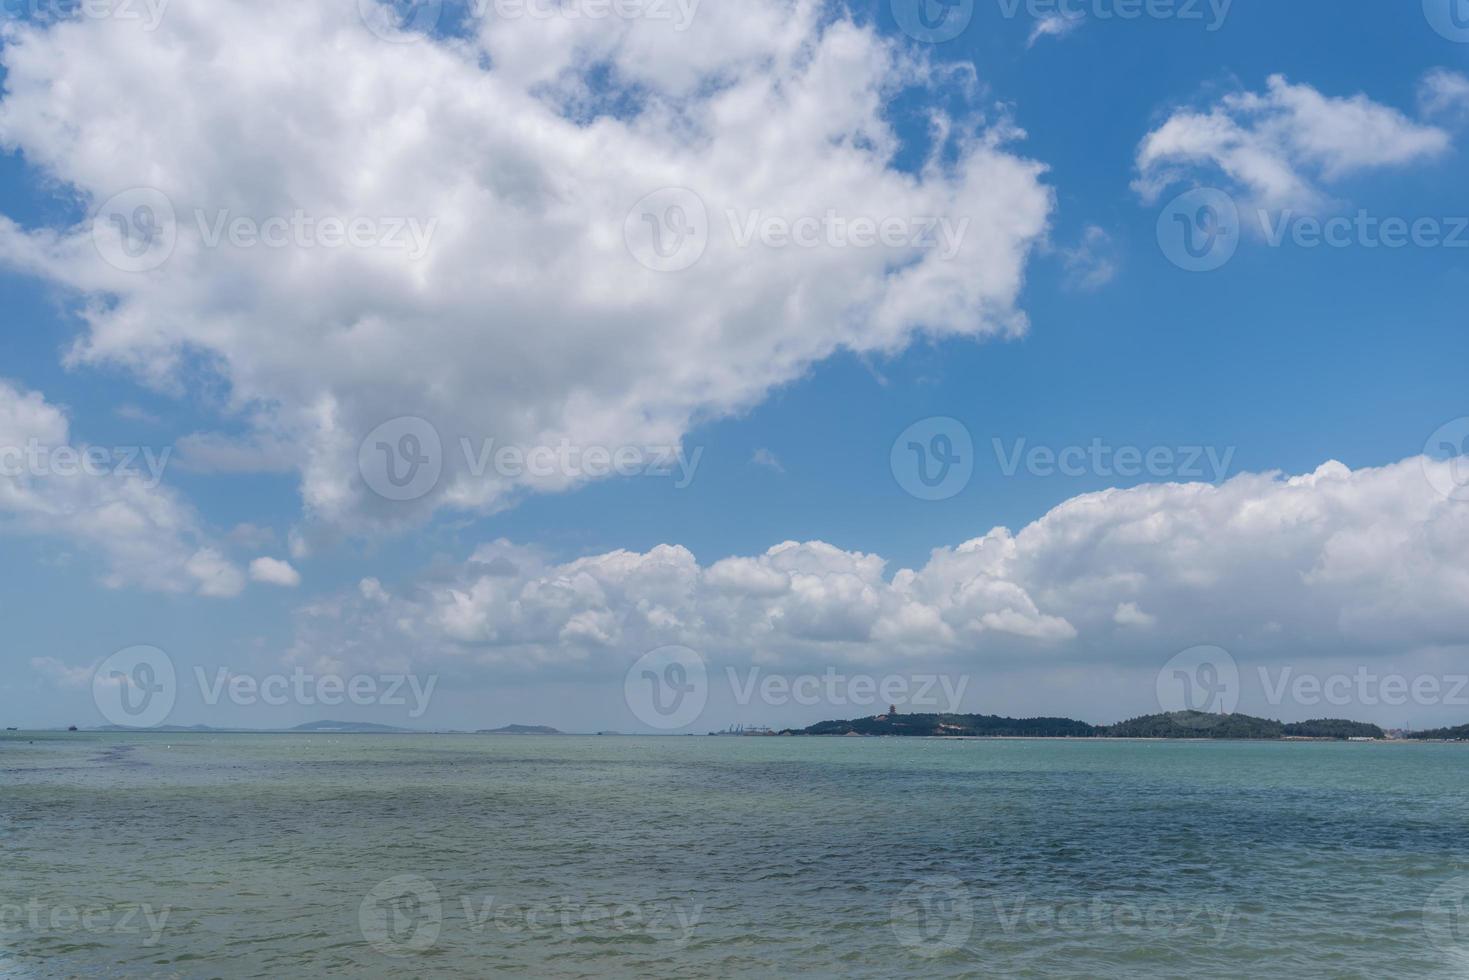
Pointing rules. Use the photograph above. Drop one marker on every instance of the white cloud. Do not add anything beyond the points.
(764, 457)
(1128, 614)
(1092, 262)
(1371, 563)
(1055, 25)
(527, 321)
(274, 571)
(141, 534)
(1444, 93)
(61, 674)
(218, 576)
(1280, 146)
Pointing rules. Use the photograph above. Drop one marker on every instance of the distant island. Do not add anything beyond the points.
(521, 730)
(354, 727)
(1177, 724)
(1459, 734)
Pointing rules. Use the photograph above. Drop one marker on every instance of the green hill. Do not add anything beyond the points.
(1458, 734)
(1178, 724)
(988, 726)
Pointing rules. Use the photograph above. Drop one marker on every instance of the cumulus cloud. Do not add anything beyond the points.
(1284, 146)
(1055, 25)
(520, 148)
(1371, 563)
(1444, 93)
(274, 571)
(139, 532)
(1128, 614)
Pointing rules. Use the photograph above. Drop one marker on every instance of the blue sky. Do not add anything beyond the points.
(1285, 358)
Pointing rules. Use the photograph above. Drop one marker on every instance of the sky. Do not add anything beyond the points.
(665, 365)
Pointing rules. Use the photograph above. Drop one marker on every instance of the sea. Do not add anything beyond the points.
(215, 855)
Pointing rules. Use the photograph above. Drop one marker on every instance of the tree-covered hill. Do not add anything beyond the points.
(1178, 724)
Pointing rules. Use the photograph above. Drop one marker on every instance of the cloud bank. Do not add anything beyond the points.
(247, 139)
(1371, 563)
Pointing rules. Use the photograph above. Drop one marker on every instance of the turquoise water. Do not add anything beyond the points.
(267, 856)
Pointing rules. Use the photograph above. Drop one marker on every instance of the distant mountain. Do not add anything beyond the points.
(520, 730)
(1178, 724)
(990, 726)
(354, 727)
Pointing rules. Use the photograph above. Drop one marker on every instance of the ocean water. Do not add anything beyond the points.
(291, 855)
